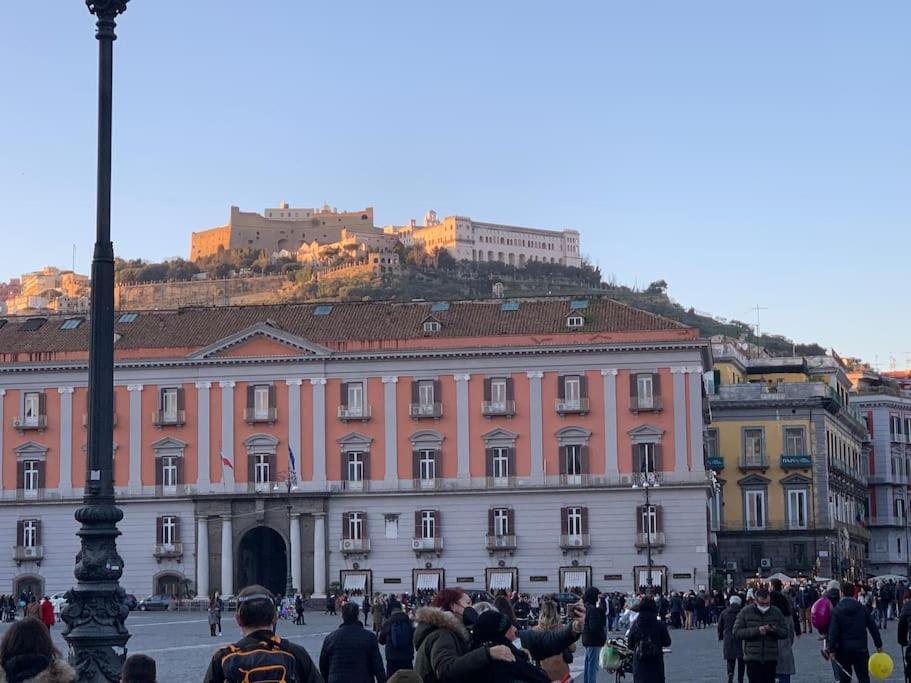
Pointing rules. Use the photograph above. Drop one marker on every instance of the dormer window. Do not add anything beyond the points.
(575, 321)
(432, 326)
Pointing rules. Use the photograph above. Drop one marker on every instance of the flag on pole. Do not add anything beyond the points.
(225, 462)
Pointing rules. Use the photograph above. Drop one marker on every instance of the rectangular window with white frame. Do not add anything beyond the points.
(262, 471)
(501, 522)
(650, 522)
(712, 446)
(574, 467)
(573, 391)
(169, 473)
(794, 441)
(261, 401)
(755, 503)
(355, 470)
(647, 458)
(715, 508)
(169, 530)
(645, 391)
(31, 478)
(355, 398)
(498, 394)
(754, 447)
(428, 524)
(574, 521)
(500, 465)
(427, 464)
(797, 508)
(30, 533)
(426, 397)
(31, 408)
(169, 405)
(356, 525)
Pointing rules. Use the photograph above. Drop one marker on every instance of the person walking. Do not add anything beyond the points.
(350, 654)
(33, 608)
(397, 635)
(847, 637)
(807, 595)
(733, 646)
(330, 603)
(47, 613)
(299, 610)
(214, 613)
(379, 610)
(365, 605)
(786, 666)
(760, 626)
(594, 631)
(27, 654)
(677, 610)
(647, 638)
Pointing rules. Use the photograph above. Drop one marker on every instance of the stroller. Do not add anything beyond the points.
(617, 658)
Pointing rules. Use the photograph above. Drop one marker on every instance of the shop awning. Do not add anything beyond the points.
(355, 582)
(500, 581)
(574, 580)
(428, 582)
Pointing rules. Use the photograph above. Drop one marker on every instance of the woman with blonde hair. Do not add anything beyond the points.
(557, 666)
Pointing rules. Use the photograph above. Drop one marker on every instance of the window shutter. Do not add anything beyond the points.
(251, 401)
(640, 511)
(510, 521)
(272, 399)
(42, 479)
(159, 530)
(658, 463)
(488, 392)
(658, 520)
(181, 399)
(38, 532)
(20, 475)
(159, 475)
(415, 465)
(510, 390)
(584, 520)
(437, 392)
(176, 537)
(656, 384)
(437, 530)
(366, 466)
(20, 532)
(415, 391)
(438, 464)
(716, 379)
(633, 390)
(42, 403)
(583, 455)
(343, 394)
(564, 521)
(417, 524)
(179, 463)
(488, 461)
(346, 525)
(511, 455)
(251, 467)
(343, 461)
(561, 387)
(491, 513)
(273, 465)
(564, 460)
(637, 461)
(88, 399)
(583, 386)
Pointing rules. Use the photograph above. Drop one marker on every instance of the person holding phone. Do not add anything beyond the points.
(760, 626)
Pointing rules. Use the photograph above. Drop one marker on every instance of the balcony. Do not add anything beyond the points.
(362, 413)
(427, 545)
(32, 422)
(656, 538)
(162, 418)
(646, 405)
(715, 462)
(571, 406)
(28, 553)
(796, 462)
(501, 542)
(575, 541)
(754, 462)
(85, 420)
(168, 551)
(574, 479)
(253, 416)
(419, 411)
(498, 408)
(354, 546)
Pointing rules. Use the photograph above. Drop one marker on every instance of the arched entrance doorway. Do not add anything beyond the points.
(262, 559)
(170, 583)
(26, 583)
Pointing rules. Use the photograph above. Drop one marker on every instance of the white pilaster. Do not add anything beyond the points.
(227, 556)
(697, 460)
(66, 441)
(227, 434)
(463, 428)
(319, 431)
(134, 483)
(319, 555)
(390, 426)
(611, 463)
(536, 421)
(202, 557)
(204, 448)
(294, 427)
(2, 428)
(296, 551)
(680, 464)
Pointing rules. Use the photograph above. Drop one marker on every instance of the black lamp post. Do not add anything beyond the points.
(95, 612)
(648, 481)
(288, 482)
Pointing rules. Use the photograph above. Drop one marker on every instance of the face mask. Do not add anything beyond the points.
(762, 608)
(469, 616)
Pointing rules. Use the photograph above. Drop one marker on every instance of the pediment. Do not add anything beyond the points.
(754, 480)
(31, 448)
(260, 340)
(355, 441)
(796, 480)
(645, 434)
(426, 439)
(500, 433)
(573, 435)
(168, 443)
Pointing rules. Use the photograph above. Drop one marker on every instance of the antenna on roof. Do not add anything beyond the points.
(758, 308)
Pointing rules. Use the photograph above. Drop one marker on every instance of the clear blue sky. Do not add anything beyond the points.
(747, 152)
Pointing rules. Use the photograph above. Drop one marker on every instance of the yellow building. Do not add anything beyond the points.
(791, 463)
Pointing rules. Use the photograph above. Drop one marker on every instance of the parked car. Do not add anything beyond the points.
(58, 601)
(155, 603)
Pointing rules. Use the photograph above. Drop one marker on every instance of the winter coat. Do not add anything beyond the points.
(555, 666)
(806, 597)
(648, 626)
(33, 609)
(848, 627)
(404, 652)
(378, 611)
(676, 604)
(47, 613)
(733, 647)
(903, 620)
(215, 612)
(36, 669)
(542, 644)
(350, 654)
(594, 630)
(758, 647)
(786, 663)
(442, 652)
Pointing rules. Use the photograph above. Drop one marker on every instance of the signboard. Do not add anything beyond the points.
(683, 575)
(613, 577)
(392, 580)
(716, 463)
(796, 461)
(464, 579)
(537, 579)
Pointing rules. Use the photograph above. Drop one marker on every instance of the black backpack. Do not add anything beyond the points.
(647, 651)
(262, 662)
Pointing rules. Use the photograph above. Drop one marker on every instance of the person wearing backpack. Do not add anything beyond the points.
(397, 634)
(260, 655)
(647, 638)
(350, 653)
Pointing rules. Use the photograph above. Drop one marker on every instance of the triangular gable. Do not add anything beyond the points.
(168, 442)
(260, 340)
(31, 448)
(754, 480)
(796, 480)
(500, 434)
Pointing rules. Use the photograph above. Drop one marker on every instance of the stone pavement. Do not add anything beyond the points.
(180, 643)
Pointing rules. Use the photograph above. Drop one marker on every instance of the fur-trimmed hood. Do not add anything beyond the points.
(58, 671)
(430, 619)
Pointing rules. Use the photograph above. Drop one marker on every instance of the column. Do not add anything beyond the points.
(611, 462)
(296, 551)
(697, 461)
(202, 557)
(66, 441)
(227, 556)
(679, 376)
(536, 417)
(135, 481)
(203, 447)
(319, 555)
(294, 426)
(227, 436)
(463, 429)
(390, 436)
(2, 429)
(319, 432)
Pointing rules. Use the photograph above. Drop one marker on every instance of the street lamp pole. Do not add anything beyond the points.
(95, 612)
(288, 481)
(649, 588)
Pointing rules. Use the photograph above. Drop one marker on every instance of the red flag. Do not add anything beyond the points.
(226, 462)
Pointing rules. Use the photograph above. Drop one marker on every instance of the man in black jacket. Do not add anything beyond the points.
(397, 634)
(847, 636)
(350, 654)
(594, 631)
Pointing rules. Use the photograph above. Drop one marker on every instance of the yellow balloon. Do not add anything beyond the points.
(880, 665)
